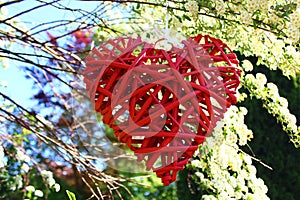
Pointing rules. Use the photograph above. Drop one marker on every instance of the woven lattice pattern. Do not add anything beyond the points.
(162, 104)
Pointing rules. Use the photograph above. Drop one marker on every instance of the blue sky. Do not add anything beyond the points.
(19, 88)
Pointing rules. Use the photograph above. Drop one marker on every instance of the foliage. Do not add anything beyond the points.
(17, 172)
(51, 54)
(222, 170)
(71, 195)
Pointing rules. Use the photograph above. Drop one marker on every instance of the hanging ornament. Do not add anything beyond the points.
(162, 103)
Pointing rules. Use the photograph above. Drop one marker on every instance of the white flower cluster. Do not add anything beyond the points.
(220, 6)
(14, 182)
(192, 7)
(254, 5)
(275, 53)
(270, 16)
(48, 176)
(222, 170)
(263, 10)
(293, 30)
(24, 159)
(271, 51)
(274, 103)
(32, 193)
(247, 65)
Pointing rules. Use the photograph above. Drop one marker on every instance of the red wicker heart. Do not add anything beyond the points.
(162, 104)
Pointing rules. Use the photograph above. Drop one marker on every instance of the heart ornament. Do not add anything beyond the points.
(162, 103)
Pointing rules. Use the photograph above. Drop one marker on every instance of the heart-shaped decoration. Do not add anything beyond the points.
(162, 104)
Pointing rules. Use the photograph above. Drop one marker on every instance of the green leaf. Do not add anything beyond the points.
(71, 195)
(179, 18)
(137, 11)
(186, 17)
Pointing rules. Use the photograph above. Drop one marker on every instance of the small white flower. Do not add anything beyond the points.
(20, 155)
(57, 187)
(291, 119)
(247, 159)
(196, 163)
(247, 65)
(261, 78)
(244, 110)
(26, 158)
(241, 96)
(46, 173)
(273, 90)
(30, 188)
(25, 167)
(51, 182)
(252, 170)
(38, 193)
(249, 78)
(232, 181)
(19, 181)
(283, 102)
(231, 138)
(200, 175)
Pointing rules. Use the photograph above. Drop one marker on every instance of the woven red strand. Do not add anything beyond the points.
(177, 96)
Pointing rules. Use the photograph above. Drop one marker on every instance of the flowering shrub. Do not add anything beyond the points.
(270, 31)
(222, 169)
(274, 103)
(16, 171)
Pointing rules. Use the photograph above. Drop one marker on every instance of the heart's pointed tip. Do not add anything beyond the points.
(166, 183)
(167, 176)
(166, 180)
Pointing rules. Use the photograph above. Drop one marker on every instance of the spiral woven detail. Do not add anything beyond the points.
(162, 104)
